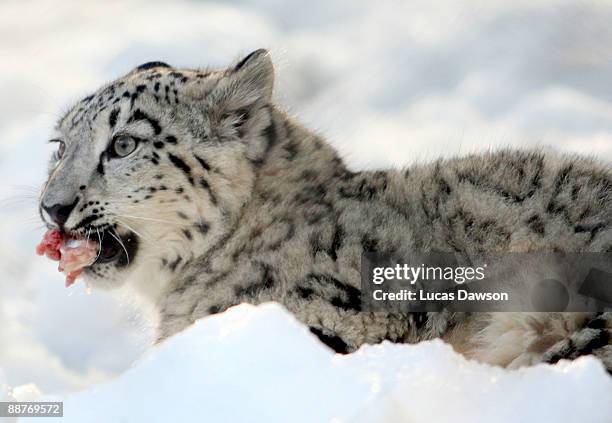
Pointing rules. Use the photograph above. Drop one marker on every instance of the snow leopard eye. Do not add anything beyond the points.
(123, 146)
(59, 153)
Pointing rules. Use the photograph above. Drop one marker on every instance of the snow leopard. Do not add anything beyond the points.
(205, 194)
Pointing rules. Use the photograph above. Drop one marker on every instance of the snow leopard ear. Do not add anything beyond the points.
(248, 83)
(235, 97)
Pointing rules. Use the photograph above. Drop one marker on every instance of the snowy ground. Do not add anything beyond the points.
(387, 82)
(259, 364)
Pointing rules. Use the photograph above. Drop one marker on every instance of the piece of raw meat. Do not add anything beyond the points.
(73, 254)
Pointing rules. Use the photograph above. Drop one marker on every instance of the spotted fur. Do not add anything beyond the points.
(230, 201)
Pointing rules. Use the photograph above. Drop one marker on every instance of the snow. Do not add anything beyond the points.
(388, 83)
(260, 364)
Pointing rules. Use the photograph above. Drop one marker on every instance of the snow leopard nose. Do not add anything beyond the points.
(60, 213)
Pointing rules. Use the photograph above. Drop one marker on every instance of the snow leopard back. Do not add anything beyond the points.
(301, 237)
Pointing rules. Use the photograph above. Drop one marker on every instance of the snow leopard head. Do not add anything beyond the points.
(157, 164)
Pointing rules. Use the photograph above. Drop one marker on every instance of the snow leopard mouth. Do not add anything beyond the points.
(113, 246)
(77, 253)
(116, 248)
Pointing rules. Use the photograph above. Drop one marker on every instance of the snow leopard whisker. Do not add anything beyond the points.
(149, 218)
(15, 201)
(118, 238)
(31, 220)
(99, 245)
(19, 187)
(128, 227)
(38, 227)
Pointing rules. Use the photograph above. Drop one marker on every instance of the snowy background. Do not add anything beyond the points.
(258, 364)
(387, 82)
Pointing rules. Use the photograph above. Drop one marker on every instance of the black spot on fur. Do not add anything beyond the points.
(140, 115)
(171, 139)
(271, 135)
(565, 352)
(597, 323)
(347, 297)
(498, 174)
(562, 178)
(336, 243)
(265, 283)
(600, 340)
(151, 65)
(592, 229)
(204, 184)
(87, 221)
(444, 186)
(133, 98)
(101, 164)
(419, 318)
(173, 265)
(112, 118)
(179, 163)
(332, 341)
(203, 163)
(304, 292)
(364, 188)
(369, 244)
(536, 224)
(292, 150)
(202, 227)
(214, 309)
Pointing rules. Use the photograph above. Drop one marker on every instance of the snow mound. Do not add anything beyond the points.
(259, 364)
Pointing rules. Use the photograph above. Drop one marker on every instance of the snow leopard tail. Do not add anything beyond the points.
(595, 338)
